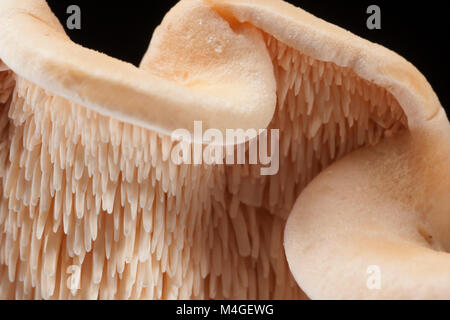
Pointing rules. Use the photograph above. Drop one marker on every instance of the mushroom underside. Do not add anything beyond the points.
(83, 189)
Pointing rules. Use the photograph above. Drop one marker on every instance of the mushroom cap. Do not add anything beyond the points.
(357, 214)
(231, 86)
(385, 207)
(324, 41)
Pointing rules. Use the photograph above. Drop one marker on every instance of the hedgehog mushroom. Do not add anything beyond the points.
(88, 183)
(377, 222)
(87, 179)
(385, 206)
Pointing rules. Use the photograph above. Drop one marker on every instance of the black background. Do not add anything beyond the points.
(166, 310)
(417, 30)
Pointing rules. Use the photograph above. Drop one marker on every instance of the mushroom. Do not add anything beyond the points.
(88, 184)
(375, 225)
(89, 187)
(375, 207)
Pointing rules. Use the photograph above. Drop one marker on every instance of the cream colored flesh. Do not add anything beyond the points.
(326, 42)
(375, 225)
(34, 45)
(87, 178)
